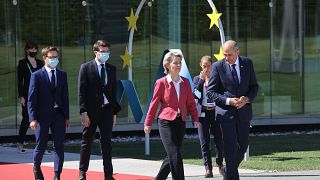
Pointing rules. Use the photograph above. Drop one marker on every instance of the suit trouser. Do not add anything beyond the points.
(58, 130)
(103, 120)
(24, 124)
(171, 133)
(208, 125)
(235, 134)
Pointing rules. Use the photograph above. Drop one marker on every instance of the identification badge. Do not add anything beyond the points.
(197, 93)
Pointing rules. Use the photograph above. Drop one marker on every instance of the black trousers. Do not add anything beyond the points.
(104, 121)
(172, 133)
(207, 126)
(24, 124)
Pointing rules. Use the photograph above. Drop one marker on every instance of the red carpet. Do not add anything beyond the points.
(24, 171)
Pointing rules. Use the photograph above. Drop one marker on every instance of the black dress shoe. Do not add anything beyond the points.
(56, 176)
(37, 173)
(109, 178)
(82, 175)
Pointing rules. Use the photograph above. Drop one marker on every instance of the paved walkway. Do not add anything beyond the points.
(148, 167)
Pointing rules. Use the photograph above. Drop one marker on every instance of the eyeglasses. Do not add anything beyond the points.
(51, 57)
(103, 51)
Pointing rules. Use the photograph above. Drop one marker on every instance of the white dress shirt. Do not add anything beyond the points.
(176, 86)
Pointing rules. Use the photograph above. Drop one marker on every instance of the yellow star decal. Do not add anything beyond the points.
(126, 59)
(220, 55)
(132, 21)
(214, 16)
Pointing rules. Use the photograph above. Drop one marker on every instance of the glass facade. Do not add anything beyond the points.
(282, 37)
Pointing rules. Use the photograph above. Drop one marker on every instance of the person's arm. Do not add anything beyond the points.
(157, 95)
(253, 84)
(33, 101)
(117, 107)
(20, 75)
(82, 88)
(214, 85)
(191, 103)
(65, 95)
(198, 87)
(82, 91)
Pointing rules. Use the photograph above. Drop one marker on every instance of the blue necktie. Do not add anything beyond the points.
(234, 74)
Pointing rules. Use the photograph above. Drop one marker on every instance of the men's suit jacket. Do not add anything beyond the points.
(221, 86)
(91, 90)
(198, 85)
(42, 98)
(165, 93)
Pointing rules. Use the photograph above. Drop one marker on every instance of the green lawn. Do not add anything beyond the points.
(280, 153)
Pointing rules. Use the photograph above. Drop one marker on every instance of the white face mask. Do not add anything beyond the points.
(53, 62)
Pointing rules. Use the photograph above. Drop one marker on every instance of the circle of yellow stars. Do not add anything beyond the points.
(126, 57)
(214, 17)
(132, 20)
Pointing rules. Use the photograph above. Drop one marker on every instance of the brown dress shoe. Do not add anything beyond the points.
(208, 174)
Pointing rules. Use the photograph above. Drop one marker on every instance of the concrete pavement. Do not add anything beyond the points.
(148, 167)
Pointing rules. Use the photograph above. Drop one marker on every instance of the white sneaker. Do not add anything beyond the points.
(20, 148)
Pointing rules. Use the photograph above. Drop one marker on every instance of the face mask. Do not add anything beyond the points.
(53, 62)
(32, 54)
(104, 57)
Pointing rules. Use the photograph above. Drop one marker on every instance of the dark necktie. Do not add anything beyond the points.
(103, 75)
(102, 80)
(53, 81)
(235, 75)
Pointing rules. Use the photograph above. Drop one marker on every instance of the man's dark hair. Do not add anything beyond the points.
(100, 43)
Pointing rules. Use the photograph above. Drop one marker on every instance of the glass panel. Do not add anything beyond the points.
(70, 26)
(258, 49)
(8, 92)
(286, 58)
(312, 57)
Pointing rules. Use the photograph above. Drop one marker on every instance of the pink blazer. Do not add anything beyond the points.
(165, 94)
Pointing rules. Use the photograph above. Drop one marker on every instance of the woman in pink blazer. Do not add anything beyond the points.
(174, 94)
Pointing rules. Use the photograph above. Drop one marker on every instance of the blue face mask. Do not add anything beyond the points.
(104, 57)
(53, 62)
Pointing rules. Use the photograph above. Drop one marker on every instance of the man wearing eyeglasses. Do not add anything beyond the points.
(98, 107)
(48, 108)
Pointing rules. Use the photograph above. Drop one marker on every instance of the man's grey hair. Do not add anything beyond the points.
(233, 43)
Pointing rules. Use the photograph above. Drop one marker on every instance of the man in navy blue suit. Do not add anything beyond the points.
(233, 87)
(48, 108)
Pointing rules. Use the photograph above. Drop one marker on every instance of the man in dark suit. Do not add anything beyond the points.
(98, 106)
(233, 87)
(48, 107)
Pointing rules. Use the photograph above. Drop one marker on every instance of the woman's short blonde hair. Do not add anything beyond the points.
(168, 58)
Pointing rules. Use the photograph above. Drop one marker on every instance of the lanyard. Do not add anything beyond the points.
(29, 68)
